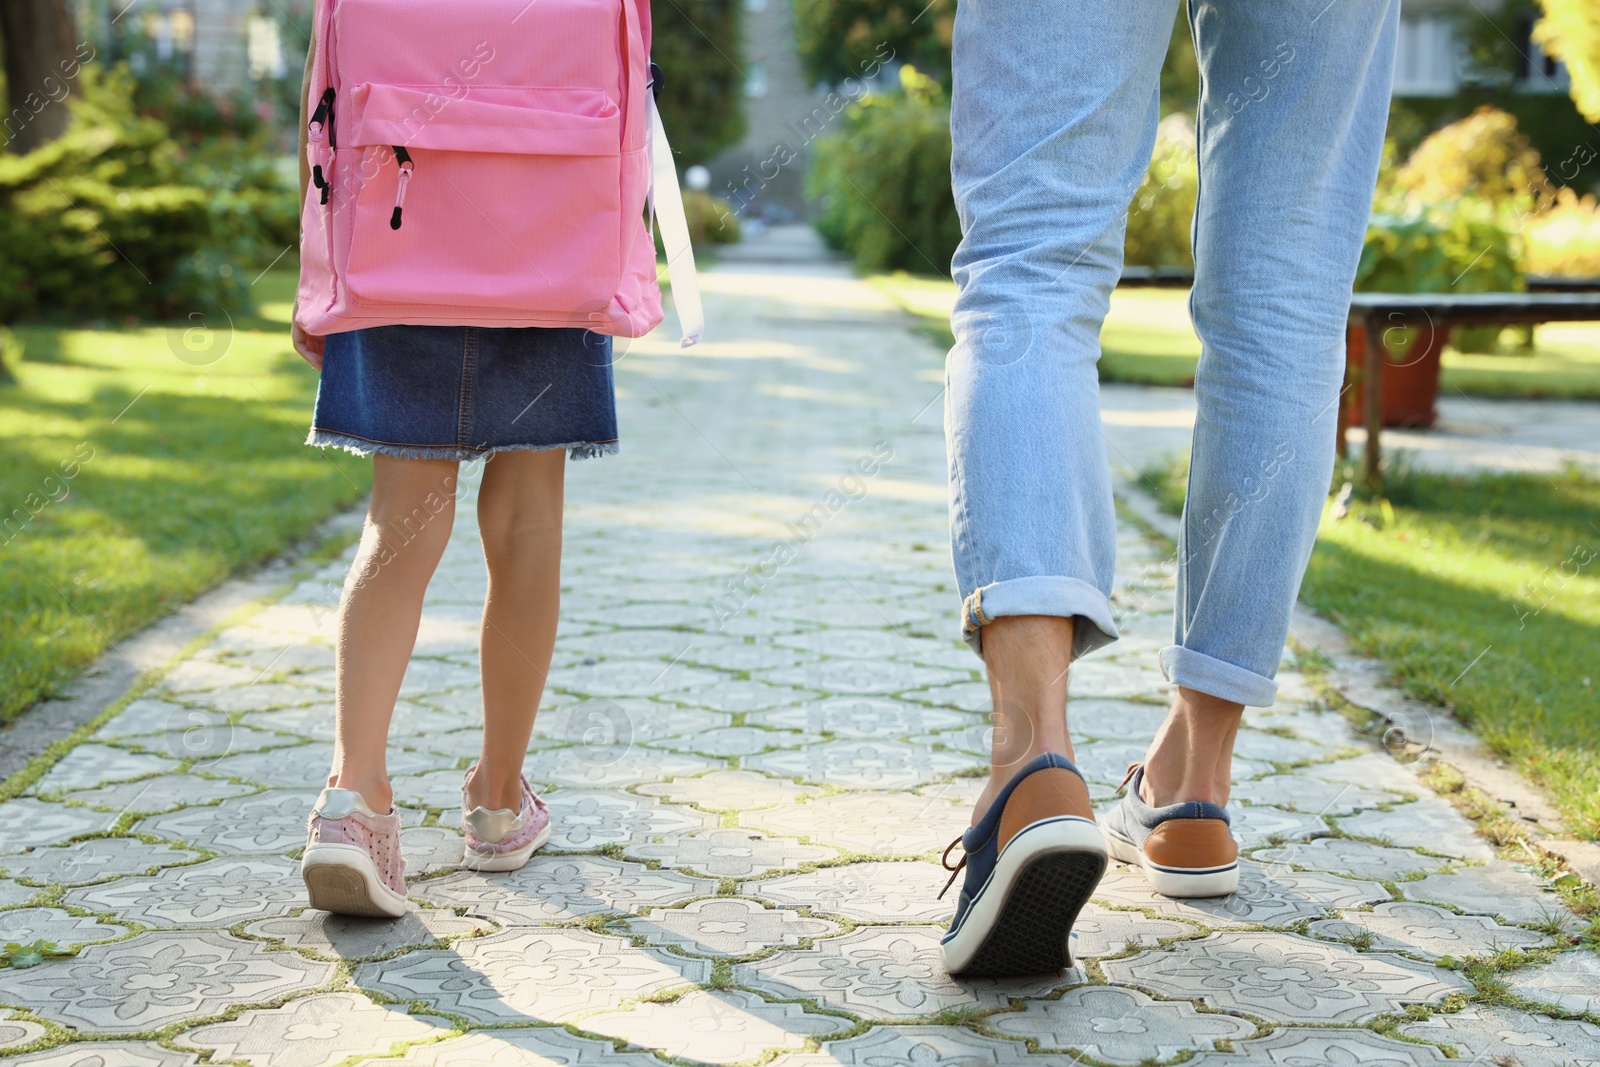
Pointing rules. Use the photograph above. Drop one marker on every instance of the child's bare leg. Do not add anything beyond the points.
(519, 516)
(408, 525)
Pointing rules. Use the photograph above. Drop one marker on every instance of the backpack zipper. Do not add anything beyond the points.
(403, 158)
(321, 119)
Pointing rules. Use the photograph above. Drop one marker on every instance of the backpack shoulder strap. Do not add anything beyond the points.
(666, 207)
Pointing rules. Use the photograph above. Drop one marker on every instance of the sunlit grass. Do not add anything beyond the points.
(135, 479)
(1482, 594)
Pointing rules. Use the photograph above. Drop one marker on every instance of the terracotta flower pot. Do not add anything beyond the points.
(1410, 379)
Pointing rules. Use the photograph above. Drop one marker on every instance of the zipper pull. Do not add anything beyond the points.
(314, 135)
(402, 157)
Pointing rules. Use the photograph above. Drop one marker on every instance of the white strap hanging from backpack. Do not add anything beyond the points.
(666, 207)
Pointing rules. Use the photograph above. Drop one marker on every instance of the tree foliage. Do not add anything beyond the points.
(837, 38)
(1570, 31)
(697, 44)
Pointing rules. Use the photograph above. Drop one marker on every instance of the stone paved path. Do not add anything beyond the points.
(759, 734)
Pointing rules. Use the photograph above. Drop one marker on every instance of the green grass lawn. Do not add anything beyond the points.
(1147, 338)
(135, 479)
(1483, 594)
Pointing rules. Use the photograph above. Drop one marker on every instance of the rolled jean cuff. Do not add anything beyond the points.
(1198, 671)
(1067, 598)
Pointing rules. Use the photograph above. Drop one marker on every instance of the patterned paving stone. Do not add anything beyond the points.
(859, 676)
(1570, 982)
(1496, 888)
(1286, 978)
(1267, 896)
(867, 892)
(866, 822)
(1102, 931)
(737, 741)
(1358, 859)
(605, 766)
(1255, 825)
(962, 696)
(545, 1046)
(1121, 1026)
(728, 791)
(883, 974)
(1303, 1047)
(166, 792)
(1428, 822)
(1426, 931)
(635, 678)
(432, 791)
(143, 716)
(525, 976)
(94, 860)
(1093, 677)
(430, 848)
(1114, 720)
(25, 925)
(109, 1054)
(847, 643)
(918, 1046)
(28, 823)
(1494, 1035)
(630, 719)
(1274, 748)
(863, 764)
(349, 937)
(12, 893)
(726, 1026)
(19, 1032)
(730, 853)
(313, 1031)
(314, 721)
(306, 766)
(274, 821)
(745, 696)
(215, 893)
(561, 889)
(90, 765)
(591, 819)
(158, 978)
(257, 696)
(876, 718)
(1301, 792)
(1106, 762)
(728, 927)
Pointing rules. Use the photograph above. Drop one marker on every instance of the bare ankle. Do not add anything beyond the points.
(375, 790)
(487, 789)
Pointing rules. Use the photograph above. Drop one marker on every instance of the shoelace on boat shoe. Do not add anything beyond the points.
(944, 861)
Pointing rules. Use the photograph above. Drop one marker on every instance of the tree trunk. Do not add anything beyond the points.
(38, 51)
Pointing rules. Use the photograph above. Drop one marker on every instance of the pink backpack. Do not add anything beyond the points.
(489, 163)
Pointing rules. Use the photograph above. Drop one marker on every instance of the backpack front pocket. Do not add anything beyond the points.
(499, 197)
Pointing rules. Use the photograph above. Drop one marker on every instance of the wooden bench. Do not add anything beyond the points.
(1371, 314)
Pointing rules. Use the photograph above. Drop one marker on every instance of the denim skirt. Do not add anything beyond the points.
(459, 392)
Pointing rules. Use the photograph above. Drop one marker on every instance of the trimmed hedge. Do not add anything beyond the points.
(114, 219)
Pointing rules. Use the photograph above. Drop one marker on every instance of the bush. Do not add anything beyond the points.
(1461, 246)
(1162, 212)
(712, 220)
(1483, 156)
(114, 219)
(1566, 238)
(883, 181)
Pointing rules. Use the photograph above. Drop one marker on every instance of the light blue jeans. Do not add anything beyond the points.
(1053, 115)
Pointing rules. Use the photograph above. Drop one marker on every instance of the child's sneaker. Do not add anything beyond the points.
(502, 839)
(1031, 863)
(1185, 850)
(352, 863)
